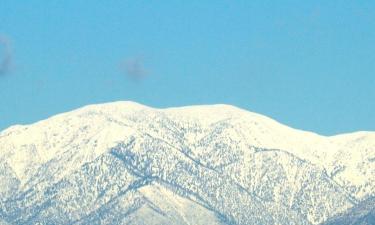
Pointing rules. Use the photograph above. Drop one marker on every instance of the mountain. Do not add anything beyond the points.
(361, 214)
(125, 163)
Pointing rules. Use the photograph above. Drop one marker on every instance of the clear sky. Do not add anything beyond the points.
(307, 64)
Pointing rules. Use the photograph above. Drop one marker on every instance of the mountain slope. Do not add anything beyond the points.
(361, 214)
(125, 163)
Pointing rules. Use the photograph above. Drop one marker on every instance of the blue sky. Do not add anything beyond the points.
(308, 64)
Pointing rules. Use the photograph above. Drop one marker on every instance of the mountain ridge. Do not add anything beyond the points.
(188, 107)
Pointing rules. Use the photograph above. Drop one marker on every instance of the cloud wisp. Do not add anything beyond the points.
(134, 68)
(6, 56)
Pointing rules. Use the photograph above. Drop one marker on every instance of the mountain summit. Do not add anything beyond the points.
(125, 163)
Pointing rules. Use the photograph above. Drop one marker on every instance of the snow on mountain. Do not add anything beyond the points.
(361, 214)
(125, 163)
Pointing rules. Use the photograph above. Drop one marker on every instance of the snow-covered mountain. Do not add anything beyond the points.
(125, 163)
(361, 214)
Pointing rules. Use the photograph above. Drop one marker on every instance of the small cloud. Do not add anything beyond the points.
(134, 68)
(6, 57)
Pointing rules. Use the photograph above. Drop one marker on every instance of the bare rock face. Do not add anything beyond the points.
(125, 163)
